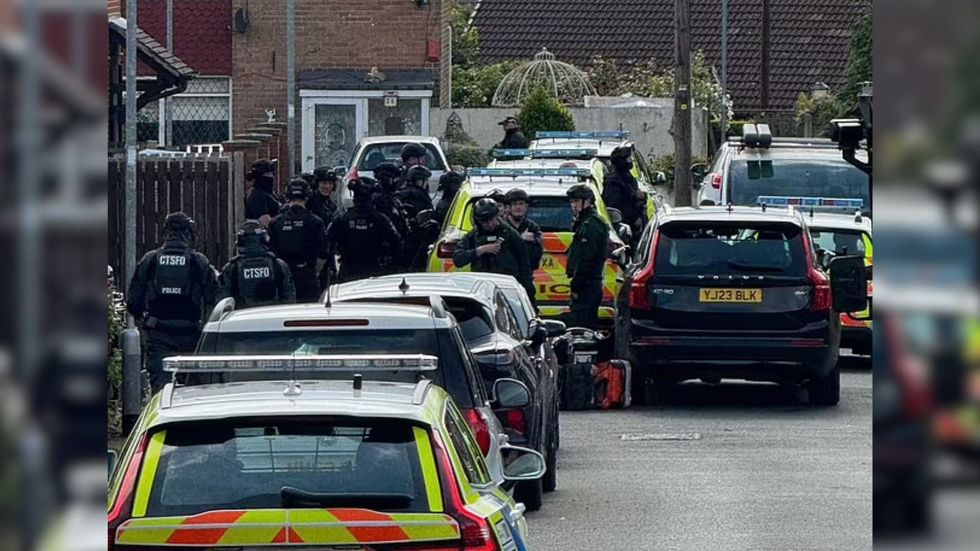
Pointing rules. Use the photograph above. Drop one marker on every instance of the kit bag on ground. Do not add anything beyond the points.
(611, 384)
(577, 380)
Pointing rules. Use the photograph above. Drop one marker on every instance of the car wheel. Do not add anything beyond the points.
(550, 479)
(825, 391)
(530, 493)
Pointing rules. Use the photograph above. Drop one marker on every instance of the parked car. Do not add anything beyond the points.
(758, 165)
(736, 293)
(371, 152)
(499, 346)
(305, 329)
(329, 463)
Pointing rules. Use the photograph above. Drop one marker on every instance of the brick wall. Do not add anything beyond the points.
(330, 34)
(115, 7)
(202, 32)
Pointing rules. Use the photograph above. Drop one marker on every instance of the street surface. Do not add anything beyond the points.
(729, 467)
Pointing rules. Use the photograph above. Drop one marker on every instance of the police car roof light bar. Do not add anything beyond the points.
(572, 153)
(583, 134)
(848, 203)
(531, 172)
(287, 364)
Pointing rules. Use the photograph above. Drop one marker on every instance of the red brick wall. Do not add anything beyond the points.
(330, 34)
(202, 31)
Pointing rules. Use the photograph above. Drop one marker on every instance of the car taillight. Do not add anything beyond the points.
(821, 290)
(716, 180)
(639, 296)
(124, 499)
(446, 249)
(479, 427)
(474, 531)
(515, 419)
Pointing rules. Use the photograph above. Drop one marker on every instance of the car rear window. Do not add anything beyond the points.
(255, 463)
(375, 154)
(726, 248)
(451, 372)
(750, 179)
(551, 213)
(838, 241)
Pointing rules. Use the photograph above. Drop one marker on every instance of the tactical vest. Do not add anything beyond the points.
(172, 273)
(257, 280)
(363, 241)
(292, 239)
(488, 262)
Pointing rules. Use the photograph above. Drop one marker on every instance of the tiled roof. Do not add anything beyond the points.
(156, 54)
(809, 38)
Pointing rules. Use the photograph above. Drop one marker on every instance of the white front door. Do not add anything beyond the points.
(333, 121)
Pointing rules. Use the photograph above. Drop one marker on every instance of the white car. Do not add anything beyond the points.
(371, 152)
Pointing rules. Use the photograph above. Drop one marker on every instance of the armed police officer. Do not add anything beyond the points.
(174, 287)
(362, 235)
(261, 202)
(493, 246)
(413, 154)
(513, 137)
(449, 184)
(414, 196)
(324, 184)
(386, 201)
(256, 276)
(621, 191)
(518, 201)
(300, 238)
(586, 257)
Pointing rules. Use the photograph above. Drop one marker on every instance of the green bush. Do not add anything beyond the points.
(474, 86)
(116, 319)
(543, 111)
(820, 110)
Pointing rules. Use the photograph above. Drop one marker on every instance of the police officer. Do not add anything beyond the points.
(513, 137)
(449, 184)
(414, 194)
(261, 202)
(174, 287)
(324, 184)
(299, 238)
(413, 154)
(493, 246)
(586, 257)
(517, 204)
(256, 277)
(362, 235)
(386, 201)
(620, 190)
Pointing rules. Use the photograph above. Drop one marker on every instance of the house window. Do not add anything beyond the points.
(200, 115)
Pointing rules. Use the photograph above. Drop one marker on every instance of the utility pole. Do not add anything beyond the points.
(724, 70)
(682, 103)
(291, 86)
(165, 120)
(131, 143)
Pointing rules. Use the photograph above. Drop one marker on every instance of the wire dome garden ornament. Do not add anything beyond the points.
(567, 82)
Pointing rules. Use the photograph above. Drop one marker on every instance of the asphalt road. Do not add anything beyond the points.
(727, 467)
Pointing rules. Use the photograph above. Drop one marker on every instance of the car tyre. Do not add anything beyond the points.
(661, 391)
(530, 493)
(550, 479)
(825, 391)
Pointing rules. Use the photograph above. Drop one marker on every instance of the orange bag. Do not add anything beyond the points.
(612, 384)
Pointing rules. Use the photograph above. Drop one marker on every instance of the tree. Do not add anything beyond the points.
(858, 66)
(474, 86)
(542, 111)
(466, 39)
(819, 110)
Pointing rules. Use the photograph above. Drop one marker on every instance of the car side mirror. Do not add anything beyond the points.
(621, 257)
(340, 170)
(624, 232)
(699, 171)
(848, 283)
(554, 328)
(113, 459)
(615, 216)
(510, 394)
(659, 178)
(824, 258)
(522, 463)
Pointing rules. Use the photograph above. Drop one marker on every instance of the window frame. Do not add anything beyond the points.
(165, 134)
(453, 419)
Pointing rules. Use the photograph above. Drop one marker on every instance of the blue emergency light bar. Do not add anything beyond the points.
(285, 364)
(545, 153)
(583, 134)
(531, 172)
(825, 202)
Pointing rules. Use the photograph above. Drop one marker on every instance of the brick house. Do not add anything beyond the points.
(366, 67)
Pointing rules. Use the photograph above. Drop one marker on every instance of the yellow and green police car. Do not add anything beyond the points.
(272, 461)
(548, 207)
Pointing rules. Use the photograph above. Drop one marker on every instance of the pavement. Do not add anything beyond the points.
(728, 467)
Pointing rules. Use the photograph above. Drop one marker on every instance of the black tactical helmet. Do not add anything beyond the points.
(262, 166)
(497, 196)
(387, 170)
(450, 180)
(516, 194)
(178, 222)
(418, 172)
(324, 174)
(412, 150)
(580, 191)
(485, 210)
(308, 176)
(298, 189)
(251, 229)
(362, 189)
(621, 155)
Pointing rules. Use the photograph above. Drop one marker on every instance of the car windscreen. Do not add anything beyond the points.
(269, 463)
(829, 178)
(551, 213)
(839, 241)
(450, 374)
(728, 248)
(375, 154)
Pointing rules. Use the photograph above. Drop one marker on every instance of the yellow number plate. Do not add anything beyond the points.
(731, 295)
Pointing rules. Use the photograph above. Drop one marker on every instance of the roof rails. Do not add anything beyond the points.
(530, 172)
(502, 154)
(583, 135)
(421, 389)
(224, 307)
(285, 365)
(756, 135)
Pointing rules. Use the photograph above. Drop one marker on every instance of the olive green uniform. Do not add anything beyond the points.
(586, 262)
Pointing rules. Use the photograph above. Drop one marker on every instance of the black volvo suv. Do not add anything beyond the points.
(737, 293)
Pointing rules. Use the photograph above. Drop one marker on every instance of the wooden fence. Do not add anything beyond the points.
(211, 190)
